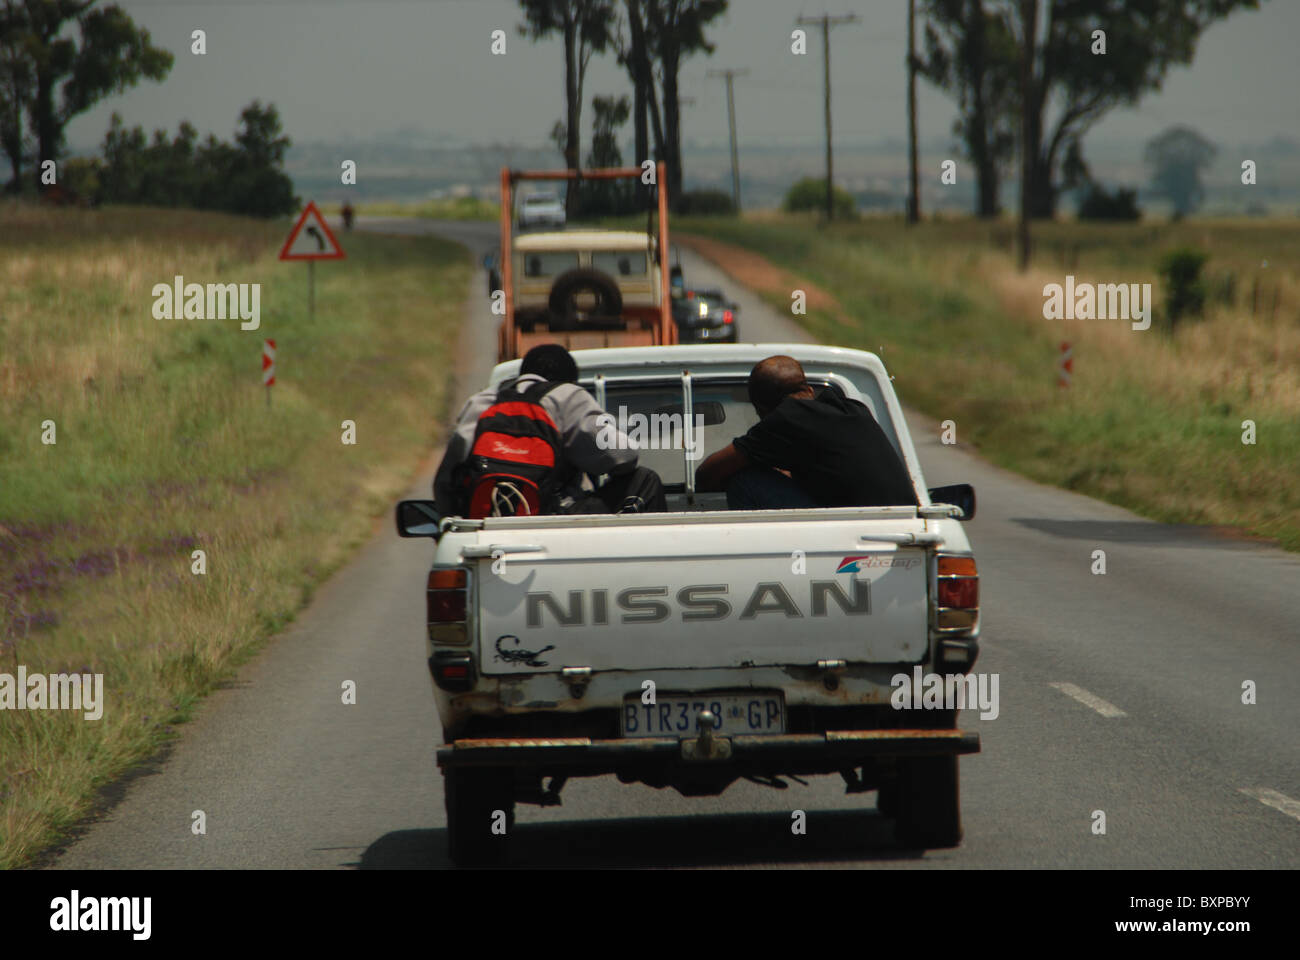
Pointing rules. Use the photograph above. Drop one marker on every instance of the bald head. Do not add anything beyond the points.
(774, 379)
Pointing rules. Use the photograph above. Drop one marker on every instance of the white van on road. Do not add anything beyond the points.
(541, 209)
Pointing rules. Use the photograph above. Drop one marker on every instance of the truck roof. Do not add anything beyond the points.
(583, 240)
(720, 358)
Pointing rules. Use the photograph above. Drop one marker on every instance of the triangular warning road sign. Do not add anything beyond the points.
(311, 238)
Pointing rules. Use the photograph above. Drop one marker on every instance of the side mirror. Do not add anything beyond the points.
(418, 518)
(958, 494)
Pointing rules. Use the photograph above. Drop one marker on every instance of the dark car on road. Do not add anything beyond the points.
(705, 316)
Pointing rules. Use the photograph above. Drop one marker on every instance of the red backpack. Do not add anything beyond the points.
(512, 469)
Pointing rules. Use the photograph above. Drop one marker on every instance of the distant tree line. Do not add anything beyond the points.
(244, 177)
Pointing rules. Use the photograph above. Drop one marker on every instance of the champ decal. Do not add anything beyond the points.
(876, 561)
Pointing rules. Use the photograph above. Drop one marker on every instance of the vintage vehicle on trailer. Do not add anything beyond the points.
(692, 648)
(582, 288)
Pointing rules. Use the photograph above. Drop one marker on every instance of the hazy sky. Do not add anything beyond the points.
(363, 67)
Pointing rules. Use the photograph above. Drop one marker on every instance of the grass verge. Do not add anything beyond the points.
(449, 208)
(1151, 422)
(165, 445)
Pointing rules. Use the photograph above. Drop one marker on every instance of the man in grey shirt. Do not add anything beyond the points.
(629, 489)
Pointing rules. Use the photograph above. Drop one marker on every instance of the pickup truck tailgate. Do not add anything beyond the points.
(690, 595)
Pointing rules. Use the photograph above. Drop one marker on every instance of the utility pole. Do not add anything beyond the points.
(825, 21)
(914, 195)
(731, 122)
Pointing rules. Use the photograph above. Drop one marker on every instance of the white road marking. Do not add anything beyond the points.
(1104, 707)
(1271, 798)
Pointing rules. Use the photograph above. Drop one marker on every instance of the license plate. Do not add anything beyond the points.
(675, 715)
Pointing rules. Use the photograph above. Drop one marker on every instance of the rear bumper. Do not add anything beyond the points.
(802, 752)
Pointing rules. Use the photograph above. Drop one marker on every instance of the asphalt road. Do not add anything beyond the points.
(1120, 693)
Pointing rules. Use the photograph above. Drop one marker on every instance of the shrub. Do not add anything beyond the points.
(1185, 290)
(605, 198)
(810, 194)
(1100, 204)
(81, 176)
(706, 203)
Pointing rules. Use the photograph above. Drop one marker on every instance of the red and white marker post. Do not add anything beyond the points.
(1065, 366)
(268, 367)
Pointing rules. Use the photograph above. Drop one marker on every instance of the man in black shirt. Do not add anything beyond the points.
(810, 449)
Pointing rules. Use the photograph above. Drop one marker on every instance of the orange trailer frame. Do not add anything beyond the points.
(513, 343)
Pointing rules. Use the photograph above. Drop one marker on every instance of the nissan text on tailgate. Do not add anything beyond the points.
(696, 647)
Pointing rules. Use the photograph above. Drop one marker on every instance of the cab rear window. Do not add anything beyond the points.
(655, 408)
(549, 264)
(654, 412)
(620, 263)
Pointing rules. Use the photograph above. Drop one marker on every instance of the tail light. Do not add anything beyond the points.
(957, 595)
(446, 604)
(727, 317)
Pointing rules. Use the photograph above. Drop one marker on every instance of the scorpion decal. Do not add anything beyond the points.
(527, 657)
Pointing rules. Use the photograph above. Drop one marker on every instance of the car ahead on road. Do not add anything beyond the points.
(541, 209)
(693, 648)
(705, 316)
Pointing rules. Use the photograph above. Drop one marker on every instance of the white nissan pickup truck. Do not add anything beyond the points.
(693, 648)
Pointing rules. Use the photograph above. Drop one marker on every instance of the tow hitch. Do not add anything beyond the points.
(706, 747)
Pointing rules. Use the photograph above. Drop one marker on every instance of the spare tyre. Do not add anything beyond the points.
(603, 309)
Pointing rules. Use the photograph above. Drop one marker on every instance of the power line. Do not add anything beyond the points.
(826, 21)
(729, 75)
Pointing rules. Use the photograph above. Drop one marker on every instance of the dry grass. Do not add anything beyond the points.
(1152, 421)
(166, 445)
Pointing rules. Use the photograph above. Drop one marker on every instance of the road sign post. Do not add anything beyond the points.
(311, 239)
